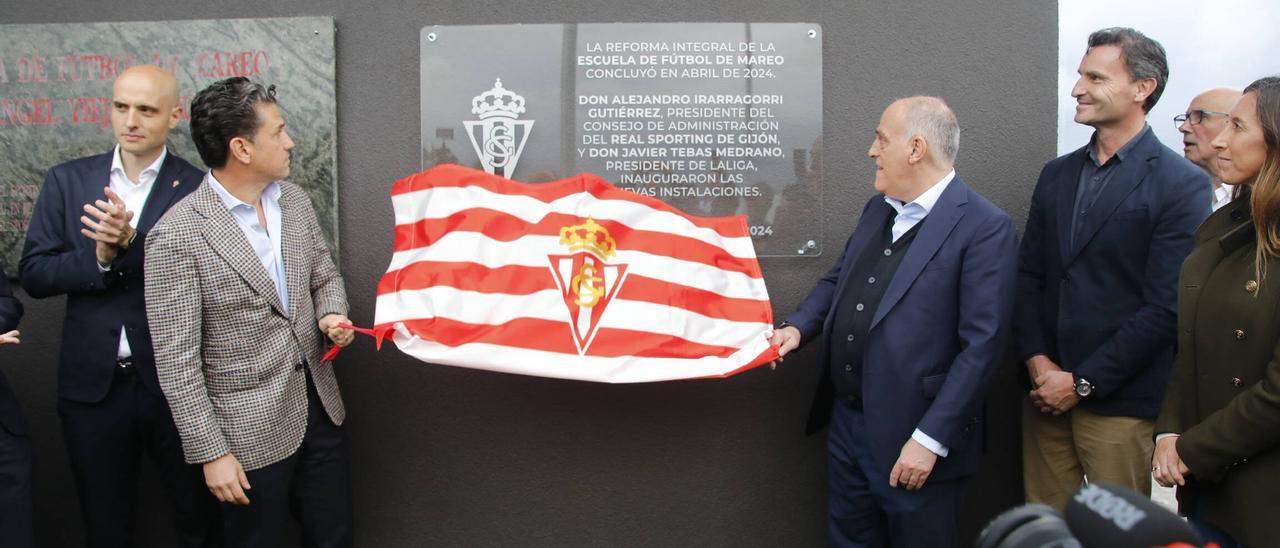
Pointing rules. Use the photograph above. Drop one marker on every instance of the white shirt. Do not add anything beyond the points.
(1222, 195)
(912, 213)
(265, 242)
(134, 195)
(909, 215)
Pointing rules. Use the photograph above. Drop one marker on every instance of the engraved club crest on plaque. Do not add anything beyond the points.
(498, 137)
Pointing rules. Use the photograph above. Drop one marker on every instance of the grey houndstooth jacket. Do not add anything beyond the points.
(226, 352)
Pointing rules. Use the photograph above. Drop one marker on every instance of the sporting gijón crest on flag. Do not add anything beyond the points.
(573, 279)
(585, 280)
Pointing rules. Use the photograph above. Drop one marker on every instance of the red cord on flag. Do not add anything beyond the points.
(377, 337)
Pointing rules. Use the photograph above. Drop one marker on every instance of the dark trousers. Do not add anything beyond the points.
(105, 441)
(15, 490)
(312, 485)
(862, 510)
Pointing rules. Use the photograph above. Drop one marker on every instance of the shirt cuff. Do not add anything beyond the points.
(929, 443)
(102, 268)
(1166, 435)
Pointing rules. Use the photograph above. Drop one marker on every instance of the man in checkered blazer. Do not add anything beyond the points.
(241, 293)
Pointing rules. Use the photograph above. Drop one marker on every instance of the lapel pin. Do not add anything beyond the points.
(175, 183)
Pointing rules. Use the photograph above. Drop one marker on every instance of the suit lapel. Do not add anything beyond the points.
(1068, 185)
(292, 246)
(162, 193)
(934, 229)
(229, 242)
(1128, 175)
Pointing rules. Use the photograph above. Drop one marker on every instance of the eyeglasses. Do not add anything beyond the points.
(1196, 116)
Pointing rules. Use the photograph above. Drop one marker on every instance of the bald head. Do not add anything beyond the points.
(1209, 110)
(932, 119)
(144, 107)
(155, 79)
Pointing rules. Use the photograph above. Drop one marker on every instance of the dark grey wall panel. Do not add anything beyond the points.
(450, 457)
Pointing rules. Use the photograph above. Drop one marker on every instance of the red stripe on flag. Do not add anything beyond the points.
(504, 227)
(524, 280)
(554, 336)
(448, 175)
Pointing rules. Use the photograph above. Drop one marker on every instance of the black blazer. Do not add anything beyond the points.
(10, 313)
(57, 259)
(1106, 309)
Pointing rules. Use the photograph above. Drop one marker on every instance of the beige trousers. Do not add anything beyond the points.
(1059, 452)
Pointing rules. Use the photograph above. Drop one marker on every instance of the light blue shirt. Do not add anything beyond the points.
(912, 213)
(909, 215)
(265, 242)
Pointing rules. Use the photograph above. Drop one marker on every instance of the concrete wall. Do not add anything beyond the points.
(451, 457)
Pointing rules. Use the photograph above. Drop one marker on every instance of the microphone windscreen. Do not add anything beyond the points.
(1027, 526)
(1104, 515)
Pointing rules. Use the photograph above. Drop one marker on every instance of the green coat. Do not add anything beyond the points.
(1224, 394)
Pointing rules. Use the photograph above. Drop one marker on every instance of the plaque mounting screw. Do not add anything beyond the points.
(813, 33)
(431, 37)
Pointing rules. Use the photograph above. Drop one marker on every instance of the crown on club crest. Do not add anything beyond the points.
(588, 236)
(497, 102)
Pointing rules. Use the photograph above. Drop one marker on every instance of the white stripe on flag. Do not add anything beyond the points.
(627, 369)
(496, 309)
(441, 202)
(534, 250)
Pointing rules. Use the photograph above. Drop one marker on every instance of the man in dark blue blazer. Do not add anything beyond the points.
(913, 320)
(1108, 229)
(86, 242)
(15, 447)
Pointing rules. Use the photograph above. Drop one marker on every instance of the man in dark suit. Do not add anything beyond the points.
(1108, 228)
(86, 242)
(913, 320)
(15, 448)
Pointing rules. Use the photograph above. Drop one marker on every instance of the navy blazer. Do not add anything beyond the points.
(1106, 309)
(938, 333)
(57, 259)
(10, 312)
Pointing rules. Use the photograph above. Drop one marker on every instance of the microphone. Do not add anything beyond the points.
(1107, 515)
(1027, 526)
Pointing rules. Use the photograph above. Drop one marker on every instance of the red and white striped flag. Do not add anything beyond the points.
(575, 279)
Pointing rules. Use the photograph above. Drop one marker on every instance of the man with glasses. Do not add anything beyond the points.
(1205, 119)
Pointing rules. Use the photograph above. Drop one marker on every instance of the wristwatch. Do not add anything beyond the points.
(1083, 387)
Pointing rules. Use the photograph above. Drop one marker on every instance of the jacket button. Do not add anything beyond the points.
(1251, 286)
(849, 367)
(1239, 334)
(849, 338)
(1236, 382)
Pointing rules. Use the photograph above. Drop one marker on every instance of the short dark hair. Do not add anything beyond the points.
(1143, 57)
(223, 111)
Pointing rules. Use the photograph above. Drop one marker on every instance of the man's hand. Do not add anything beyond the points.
(108, 224)
(340, 336)
(1166, 465)
(10, 337)
(786, 339)
(914, 465)
(1038, 365)
(1056, 393)
(226, 480)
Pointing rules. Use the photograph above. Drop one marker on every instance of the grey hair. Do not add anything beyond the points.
(931, 118)
(1143, 57)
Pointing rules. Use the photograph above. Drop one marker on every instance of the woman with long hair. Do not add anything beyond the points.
(1218, 433)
